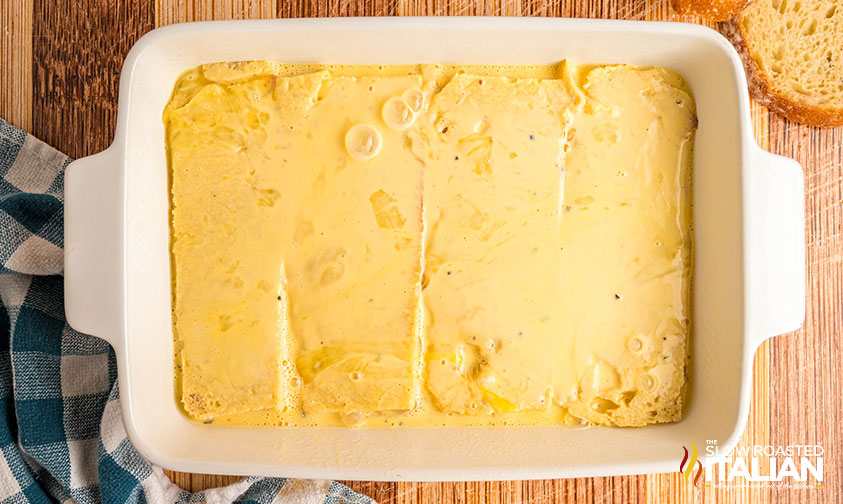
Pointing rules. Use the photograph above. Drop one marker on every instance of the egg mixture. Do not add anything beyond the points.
(431, 244)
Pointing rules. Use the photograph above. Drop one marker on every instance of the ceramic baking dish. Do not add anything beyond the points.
(748, 272)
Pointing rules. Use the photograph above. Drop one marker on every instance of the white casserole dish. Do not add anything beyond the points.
(748, 273)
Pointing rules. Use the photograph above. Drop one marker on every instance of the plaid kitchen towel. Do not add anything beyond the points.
(61, 433)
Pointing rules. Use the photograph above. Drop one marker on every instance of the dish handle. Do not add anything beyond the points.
(774, 245)
(93, 245)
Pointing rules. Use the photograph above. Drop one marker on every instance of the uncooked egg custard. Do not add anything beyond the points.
(431, 245)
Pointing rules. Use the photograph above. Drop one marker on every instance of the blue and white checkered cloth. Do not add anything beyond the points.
(61, 432)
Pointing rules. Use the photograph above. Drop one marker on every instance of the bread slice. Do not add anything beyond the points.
(715, 10)
(626, 296)
(793, 54)
(353, 260)
(491, 284)
(227, 264)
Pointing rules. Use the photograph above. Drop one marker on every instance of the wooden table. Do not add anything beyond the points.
(59, 64)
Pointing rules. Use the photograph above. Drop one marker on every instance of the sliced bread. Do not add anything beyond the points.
(715, 10)
(793, 54)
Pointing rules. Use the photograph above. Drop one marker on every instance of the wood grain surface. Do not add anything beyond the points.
(59, 66)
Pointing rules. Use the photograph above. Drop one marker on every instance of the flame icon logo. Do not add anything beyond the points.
(686, 467)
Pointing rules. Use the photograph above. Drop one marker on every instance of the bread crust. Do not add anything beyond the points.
(714, 10)
(760, 90)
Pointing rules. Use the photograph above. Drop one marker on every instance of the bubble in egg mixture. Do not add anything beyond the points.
(414, 99)
(363, 142)
(397, 114)
(647, 381)
(353, 418)
(636, 344)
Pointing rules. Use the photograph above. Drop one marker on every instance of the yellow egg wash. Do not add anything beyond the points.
(430, 245)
